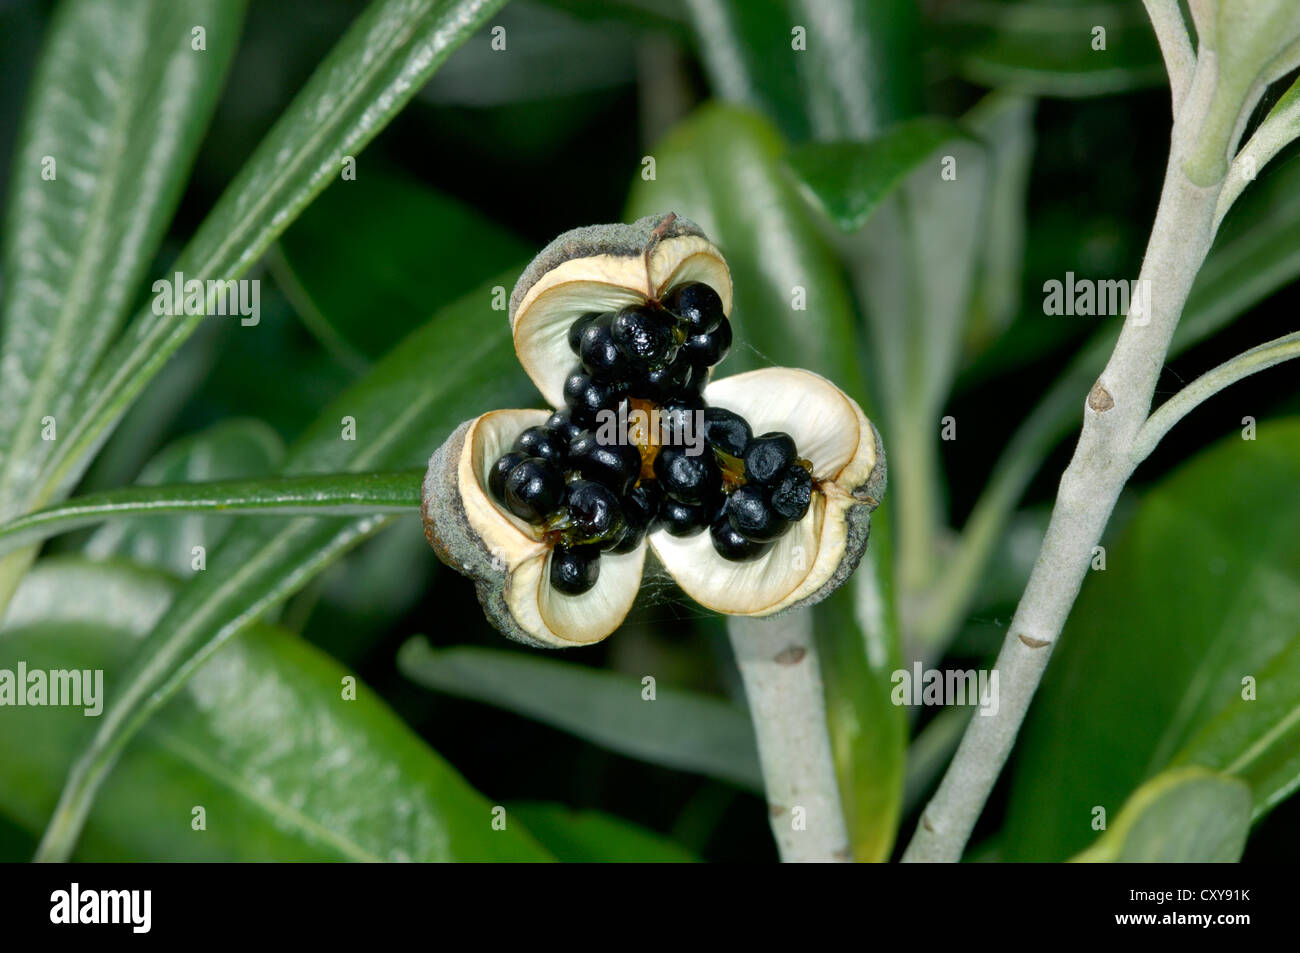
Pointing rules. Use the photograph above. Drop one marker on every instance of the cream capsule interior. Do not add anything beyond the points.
(831, 432)
(548, 615)
(604, 283)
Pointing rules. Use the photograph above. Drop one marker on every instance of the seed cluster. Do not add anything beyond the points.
(587, 496)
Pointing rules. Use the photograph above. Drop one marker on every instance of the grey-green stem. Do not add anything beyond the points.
(1277, 351)
(1116, 411)
(777, 659)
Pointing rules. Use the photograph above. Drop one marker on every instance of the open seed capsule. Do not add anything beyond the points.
(541, 576)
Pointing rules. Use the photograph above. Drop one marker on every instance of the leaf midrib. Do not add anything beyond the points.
(273, 807)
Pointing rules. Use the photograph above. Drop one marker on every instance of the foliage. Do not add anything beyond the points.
(238, 553)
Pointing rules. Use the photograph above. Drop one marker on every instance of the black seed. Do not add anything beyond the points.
(680, 422)
(676, 380)
(543, 442)
(689, 478)
(792, 493)
(729, 544)
(705, 350)
(575, 569)
(629, 541)
(587, 397)
(697, 305)
(640, 507)
(682, 519)
(617, 465)
(750, 512)
(576, 329)
(533, 489)
(645, 336)
(768, 456)
(562, 423)
(726, 431)
(595, 514)
(501, 469)
(600, 356)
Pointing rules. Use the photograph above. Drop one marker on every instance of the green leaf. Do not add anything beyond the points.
(1257, 738)
(1278, 129)
(847, 180)
(855, 630)
(234, 448)
(579, 837)
(575, 58)
(1005, 122)
(1252, 45)
(117, 108)
(263, 738)
(153, 417)
(913, 269)
(326, 494)
(930, 752)
(1049, 49)
(417, 247)
(1256, 253)
(357, 601)
(459, 365)
(1178, 817)
(821, 69)
(664, 16)
(677, 729)
(1202, 589)
(383, 59)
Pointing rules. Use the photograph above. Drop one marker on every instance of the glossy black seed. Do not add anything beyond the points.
(680, 422)
(629, 541)
(575, 569)
(543, 442)
(705, 350)
(726, 431)
(533, 489)
(697, 305)
(577, 327)
(750, 511)
(601, 357)
(642, 503)
(645, 336)
(595, 513)
(562, 423)
(617, 465)
(768, 456)
(729, 544)
(690, 478)
(675, 380)
(501, 469)
(587, 397)
(640, 507)
(682, 519)
(792, 493)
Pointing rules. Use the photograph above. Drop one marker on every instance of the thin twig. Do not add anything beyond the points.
(1279, 128)
(777, 659)
(1175, 47)
(1257, 359)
